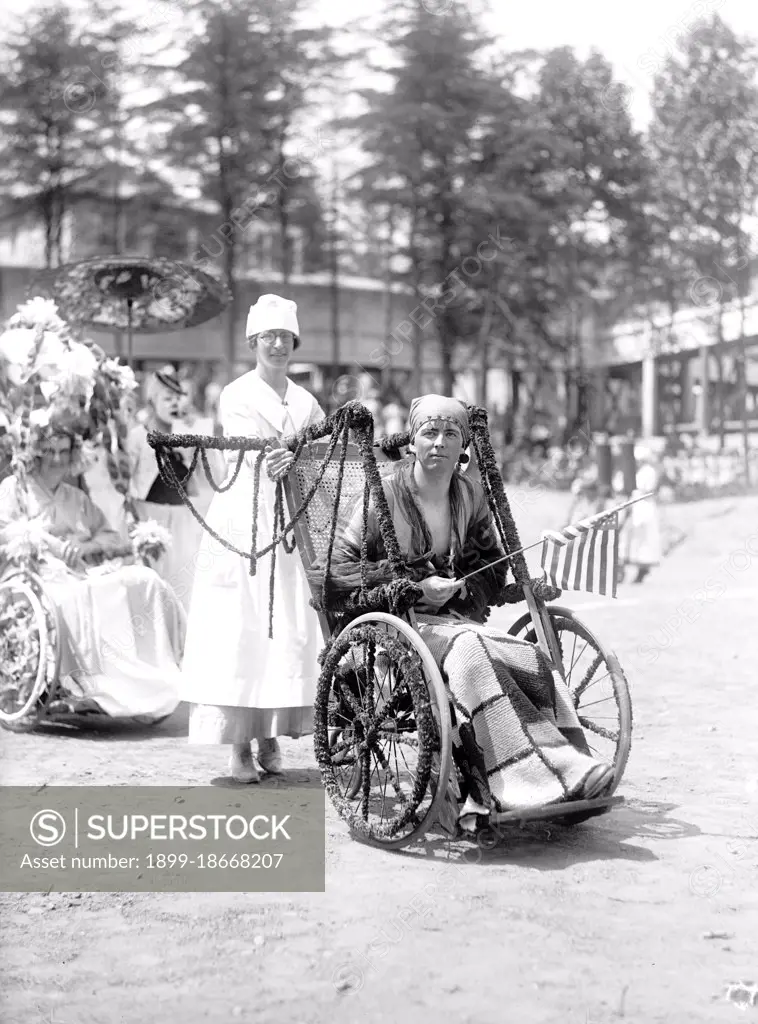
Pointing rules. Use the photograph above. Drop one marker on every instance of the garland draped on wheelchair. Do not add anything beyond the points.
(404, 704)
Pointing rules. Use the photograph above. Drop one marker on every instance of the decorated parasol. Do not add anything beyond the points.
(134, 294)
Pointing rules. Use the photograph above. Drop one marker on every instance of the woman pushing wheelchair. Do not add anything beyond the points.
(517, 740)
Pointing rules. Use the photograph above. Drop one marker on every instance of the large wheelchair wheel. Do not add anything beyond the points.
(29, 650)
(383, 736)
(597, 684)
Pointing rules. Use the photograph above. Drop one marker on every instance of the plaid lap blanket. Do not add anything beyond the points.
(514, 722)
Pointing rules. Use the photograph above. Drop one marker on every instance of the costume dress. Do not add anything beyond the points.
(122, 627)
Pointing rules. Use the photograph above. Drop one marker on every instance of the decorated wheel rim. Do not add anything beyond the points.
(382, 731)
(25, 650)
(597, 685)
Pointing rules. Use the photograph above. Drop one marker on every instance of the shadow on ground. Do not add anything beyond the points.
(551, 846)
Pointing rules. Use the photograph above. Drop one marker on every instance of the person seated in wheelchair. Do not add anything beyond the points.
(517, 740)
(121, 625)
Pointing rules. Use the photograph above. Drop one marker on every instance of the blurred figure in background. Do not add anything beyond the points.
(152, 497)
(98, 483)
(640, 540)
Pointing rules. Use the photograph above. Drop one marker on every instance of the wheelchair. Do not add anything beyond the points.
(32, 691)
(383, 734)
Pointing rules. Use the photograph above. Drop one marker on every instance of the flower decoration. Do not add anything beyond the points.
(150, 539)
(51, 380)
(39, 312)
(25, 542)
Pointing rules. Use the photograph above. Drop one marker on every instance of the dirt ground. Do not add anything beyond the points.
(648, 914)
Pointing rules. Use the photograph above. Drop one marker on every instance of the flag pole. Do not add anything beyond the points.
(499, 560)
(582, 522)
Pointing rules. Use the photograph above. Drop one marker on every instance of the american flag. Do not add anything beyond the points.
(583, 556)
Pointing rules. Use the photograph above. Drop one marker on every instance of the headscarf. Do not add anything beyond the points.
(273, 313)
(438, 407)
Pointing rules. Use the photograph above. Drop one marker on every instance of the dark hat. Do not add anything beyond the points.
(167, 376)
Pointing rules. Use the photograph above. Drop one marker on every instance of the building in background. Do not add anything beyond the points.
(679, 376)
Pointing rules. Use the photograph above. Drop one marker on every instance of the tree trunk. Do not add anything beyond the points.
(282, 206)
(230, 254)
(720, 364)
(742, 364)
(387, 362)
(417, 374)
(334, 290)
(48, 214)
(447, 345)
(484, 349)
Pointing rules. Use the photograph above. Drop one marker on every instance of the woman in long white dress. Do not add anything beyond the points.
(641, 544)
(241, 684)
(121, 630)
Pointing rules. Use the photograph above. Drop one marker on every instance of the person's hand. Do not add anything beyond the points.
(278, 463)
(90, 551)
(71, 555)
(437, 591)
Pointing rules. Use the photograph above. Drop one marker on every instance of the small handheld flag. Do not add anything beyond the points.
(585, 569)
(584, 556)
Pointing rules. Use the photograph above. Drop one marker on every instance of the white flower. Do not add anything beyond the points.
(40, 417)
(150, 538)
(16, 347)
(78, 371)
(24, 539)
(123, 375)
(89, 455)
(38, 312)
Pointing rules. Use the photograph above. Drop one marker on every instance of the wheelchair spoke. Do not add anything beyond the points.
(587, 679)
(594, 703)
(390, 707)
(345, 692)
(383, 786)
(394, 779)
(588, 723)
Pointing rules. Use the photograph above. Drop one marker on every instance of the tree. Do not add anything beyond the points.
(228, 107)
(702, 137)
(48, 122)
(594, 193)
(419, 136)
(302, 60)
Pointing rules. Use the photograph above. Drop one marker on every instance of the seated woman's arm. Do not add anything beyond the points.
(103, 541)
(481, 548)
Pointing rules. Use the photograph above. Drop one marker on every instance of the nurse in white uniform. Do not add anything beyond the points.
(242, 685)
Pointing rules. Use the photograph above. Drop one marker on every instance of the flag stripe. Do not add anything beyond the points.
(579, 560)
(603, 561)
(591, 580)
(583, 557)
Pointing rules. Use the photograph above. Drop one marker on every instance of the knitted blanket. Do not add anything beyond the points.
(516, 738)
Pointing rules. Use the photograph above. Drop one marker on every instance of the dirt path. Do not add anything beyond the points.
(645, 915)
